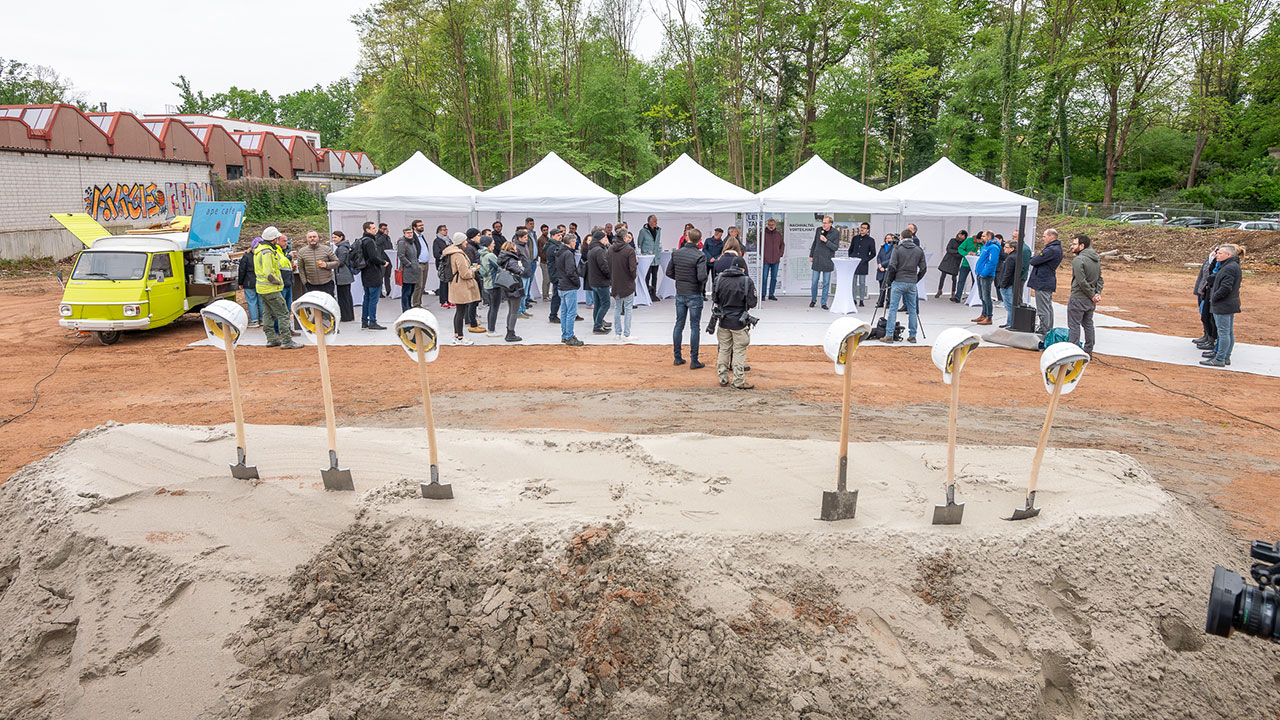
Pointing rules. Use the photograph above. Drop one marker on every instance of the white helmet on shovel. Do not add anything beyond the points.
(951, 349)
(1058, 355)
(324, 304)
(833, 343)
(224, 316)
(406, 327)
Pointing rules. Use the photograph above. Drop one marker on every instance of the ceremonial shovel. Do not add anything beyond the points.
(433, 490)
(952, 512)
(843, 503)
(840, 343)
(1029, 510)
(334, 477)
(1061, 366)
(226, 320)
(240, 470)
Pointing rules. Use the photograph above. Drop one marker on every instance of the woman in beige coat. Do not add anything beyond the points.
(463, 290)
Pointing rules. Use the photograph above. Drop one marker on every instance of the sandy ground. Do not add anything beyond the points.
(600, 575)
(1218, 458)
(1196, 435)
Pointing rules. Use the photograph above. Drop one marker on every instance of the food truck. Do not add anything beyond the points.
(148, 278)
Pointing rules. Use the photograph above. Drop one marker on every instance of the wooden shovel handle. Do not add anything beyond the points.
(951, 420)
(426, 393)
(318, 323)
(234, 378)
(1044, 431)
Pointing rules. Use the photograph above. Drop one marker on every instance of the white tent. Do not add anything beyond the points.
(417, 189)
(944, 199)
(799, 200)
(417, 184)
(687, 187)
(818, 187)
(551, 186)
(946, 189)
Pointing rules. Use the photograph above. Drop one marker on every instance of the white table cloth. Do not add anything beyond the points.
(666, 286)
(843, 302)
(643, 263)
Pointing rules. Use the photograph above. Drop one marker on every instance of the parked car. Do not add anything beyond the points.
(1250, 225)
(1193, 222)
(1139, 218)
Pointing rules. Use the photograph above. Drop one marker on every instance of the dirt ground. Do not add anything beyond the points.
(1200, 433)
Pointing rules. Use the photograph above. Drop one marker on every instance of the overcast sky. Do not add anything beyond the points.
(128, 55)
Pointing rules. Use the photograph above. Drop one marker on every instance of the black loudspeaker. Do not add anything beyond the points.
(1024, 318)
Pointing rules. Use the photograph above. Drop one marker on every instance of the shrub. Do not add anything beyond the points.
(268, 200)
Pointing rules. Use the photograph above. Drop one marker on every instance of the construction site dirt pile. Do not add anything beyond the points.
(678, 576)
(1170, 245)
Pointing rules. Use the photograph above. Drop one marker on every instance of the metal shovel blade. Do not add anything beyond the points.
(1026, 512)
(951, 513)
(435, 490)
(335, 478)
(240, 470)
(839, 505)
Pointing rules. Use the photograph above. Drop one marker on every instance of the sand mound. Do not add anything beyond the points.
(600, 576)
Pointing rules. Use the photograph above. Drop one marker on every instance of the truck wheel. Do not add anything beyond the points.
(107, 337)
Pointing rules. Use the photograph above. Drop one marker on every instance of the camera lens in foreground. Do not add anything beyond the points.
(1236, 605)
(1223, 596)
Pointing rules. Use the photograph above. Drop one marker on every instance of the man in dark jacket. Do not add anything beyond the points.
(907, 265)
(734, 293)
(248, 283)
(567, 283)
(555, 244)
(375, 262)
(688, 267)
(713, 247)
(1044, 278)
(862, 247)
(1224, 301)
(498, 238)
(622, 281)
(385, 244)
(1086, 291)
(650, 243)
(1006, 276)
(438, 246)
(774, 247)
(822, 253)
(598, 281)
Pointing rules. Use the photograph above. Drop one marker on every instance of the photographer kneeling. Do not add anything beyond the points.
(733, 294)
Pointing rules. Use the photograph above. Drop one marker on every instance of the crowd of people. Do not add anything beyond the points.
(997, 267)
(483, 268)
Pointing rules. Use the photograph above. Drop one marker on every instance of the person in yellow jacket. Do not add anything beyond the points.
(268, 261)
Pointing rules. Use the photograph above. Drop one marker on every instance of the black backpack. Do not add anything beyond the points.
(357, 261)
(445, 268)
(877, 333)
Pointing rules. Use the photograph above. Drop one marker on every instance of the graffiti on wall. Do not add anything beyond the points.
(182, 197)
(139, 201)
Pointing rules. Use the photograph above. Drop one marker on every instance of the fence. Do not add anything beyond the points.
(1078, 208)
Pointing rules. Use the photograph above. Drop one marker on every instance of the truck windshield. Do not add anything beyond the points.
(110, 266)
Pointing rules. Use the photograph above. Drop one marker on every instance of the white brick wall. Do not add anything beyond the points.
(32, 185)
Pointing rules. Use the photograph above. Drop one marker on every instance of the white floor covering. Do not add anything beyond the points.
(790, 321)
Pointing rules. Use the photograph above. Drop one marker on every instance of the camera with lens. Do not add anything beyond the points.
(1234, 604)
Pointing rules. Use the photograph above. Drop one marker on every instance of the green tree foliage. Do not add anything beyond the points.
(23, 84)
(326, 109)
(1120, 100)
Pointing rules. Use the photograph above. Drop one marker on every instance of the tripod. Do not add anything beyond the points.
(888, 299)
